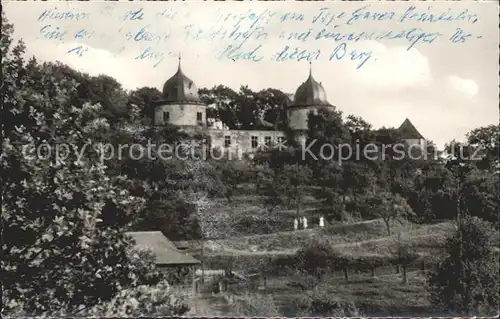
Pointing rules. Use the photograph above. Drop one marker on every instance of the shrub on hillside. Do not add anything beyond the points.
(322, 303)
(315, 259)
(253, 305)
(319, 258)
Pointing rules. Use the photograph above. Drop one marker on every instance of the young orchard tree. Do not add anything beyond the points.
(403, 255)
(391, 208)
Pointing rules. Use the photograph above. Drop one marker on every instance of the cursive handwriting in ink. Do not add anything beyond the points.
(300, 36)
(459, 36)
(296, 54)
(134, 15)
(56, 14)
(79, 50)
(411, 14)
(83, 34)
(144, 35)
(235, 53)
(413, 35)
(294, 16)
(52, 32)
(149, 54)
(342, 51)
(326, 17)
(364, 14)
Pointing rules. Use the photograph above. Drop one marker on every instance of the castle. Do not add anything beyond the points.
(181, 106)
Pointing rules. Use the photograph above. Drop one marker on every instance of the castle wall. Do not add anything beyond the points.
(180, 114)
(416, 142)
(241, 140)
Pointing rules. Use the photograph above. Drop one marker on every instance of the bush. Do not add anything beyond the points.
(142, 301)
(315, 259)
(253, 305)
(319, 303)
(319, 258)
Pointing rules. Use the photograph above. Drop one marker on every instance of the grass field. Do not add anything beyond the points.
(383, 294)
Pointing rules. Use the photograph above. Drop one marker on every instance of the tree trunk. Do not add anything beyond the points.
(298, 201)
(388, 226)
(373, 271)
(397, 269)
(405, 278)
(202, 279)
(346, 275)
(422, 266)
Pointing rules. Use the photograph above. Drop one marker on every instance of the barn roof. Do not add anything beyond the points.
(165, 251)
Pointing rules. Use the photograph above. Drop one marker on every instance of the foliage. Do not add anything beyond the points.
(63, 218)
(244, 108)
(487, 140)
(316, 259)
(481, 191)
(390, 207)
(403, 255)
(140, 301)
(321, 303)
(467, 280)
(285, 185)
(145, 98)
(255, 305)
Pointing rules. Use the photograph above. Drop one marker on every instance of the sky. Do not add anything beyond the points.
(446, 89)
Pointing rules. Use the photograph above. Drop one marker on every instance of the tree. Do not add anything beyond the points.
(63, 216)
(230, 174)
(487, 139)
(194, 184)
(403, 255)
(243, 108)
(286, 185)
(145, 99)
(467, 280)
(390, 207)
(315, 259)
(480, 191)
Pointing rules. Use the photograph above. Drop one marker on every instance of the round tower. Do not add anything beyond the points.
(310, 96)
(180, 104)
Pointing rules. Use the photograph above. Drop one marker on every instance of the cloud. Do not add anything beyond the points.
(394, 68)
(93, 61)
(466, 86)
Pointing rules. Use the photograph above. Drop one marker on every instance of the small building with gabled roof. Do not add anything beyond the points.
(168, 258)
(165, 251)
(408, 131)
(411, 135)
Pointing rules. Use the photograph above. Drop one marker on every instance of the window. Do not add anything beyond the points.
(199, 117)
(227, 141)
(255, 141)
(166, 116)
(267, 141)
(281, 139)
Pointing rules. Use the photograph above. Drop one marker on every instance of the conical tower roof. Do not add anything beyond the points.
(310, 93)
(180, 89)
